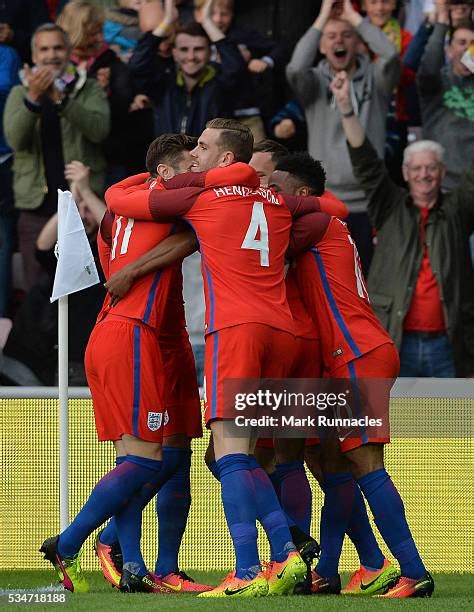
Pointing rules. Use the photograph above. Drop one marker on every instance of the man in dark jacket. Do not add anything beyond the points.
(196, 90)
(421, 281)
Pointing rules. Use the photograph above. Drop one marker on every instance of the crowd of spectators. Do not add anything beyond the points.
(86, 85)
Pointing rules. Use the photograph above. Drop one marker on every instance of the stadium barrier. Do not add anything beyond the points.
(430, 460)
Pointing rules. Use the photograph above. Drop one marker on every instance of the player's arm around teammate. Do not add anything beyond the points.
(172, 249)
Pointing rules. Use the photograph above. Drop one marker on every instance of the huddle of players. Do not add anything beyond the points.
(139, 366)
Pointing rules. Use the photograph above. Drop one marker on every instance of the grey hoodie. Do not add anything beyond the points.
(371, 88)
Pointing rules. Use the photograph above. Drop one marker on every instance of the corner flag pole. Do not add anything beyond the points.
(63, 362)
(75, 270)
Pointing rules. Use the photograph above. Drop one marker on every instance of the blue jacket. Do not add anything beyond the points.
(174, 109)
(9, 68)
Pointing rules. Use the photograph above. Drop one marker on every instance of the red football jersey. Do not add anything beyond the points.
(243, 232)
(304, 325)
(333, 290)
(157, 298)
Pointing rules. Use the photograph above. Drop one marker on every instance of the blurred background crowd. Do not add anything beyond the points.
(85, 86)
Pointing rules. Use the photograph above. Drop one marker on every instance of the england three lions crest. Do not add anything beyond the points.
(155, 420)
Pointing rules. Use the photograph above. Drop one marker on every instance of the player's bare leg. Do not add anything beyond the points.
(365, 459)
(266, 458)
(141, 448)
(119, 448)
(224, 444)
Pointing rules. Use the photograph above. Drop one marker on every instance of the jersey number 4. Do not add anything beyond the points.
(256, 237)
(125, 236)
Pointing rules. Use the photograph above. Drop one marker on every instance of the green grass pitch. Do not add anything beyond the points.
(453, 592)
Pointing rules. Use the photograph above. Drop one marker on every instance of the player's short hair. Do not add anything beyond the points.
(304, 168)
(50, 27)
(192, 28)
(422, 146)
(268, 145)
(168, 149)
(235, 137)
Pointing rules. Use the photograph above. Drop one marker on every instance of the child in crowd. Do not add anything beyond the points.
(121, 27)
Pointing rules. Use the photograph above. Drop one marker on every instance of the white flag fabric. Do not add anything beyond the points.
(76, 268)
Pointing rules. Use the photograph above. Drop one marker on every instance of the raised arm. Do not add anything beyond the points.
(147, 72)
(369, 170)
(416, 48)
(340, 87)
(214, 33)
(300, 71)
(428, 76)
(232, 65)
(48, 235)
(387, 65)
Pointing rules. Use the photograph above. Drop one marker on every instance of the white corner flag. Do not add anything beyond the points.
(76, 268)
